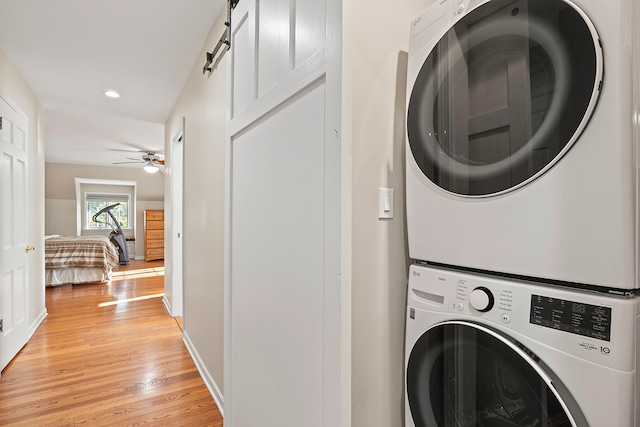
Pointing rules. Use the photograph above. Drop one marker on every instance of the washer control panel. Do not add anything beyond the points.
(600, 328)
(575, 317)
(495, 303)
(568, 316)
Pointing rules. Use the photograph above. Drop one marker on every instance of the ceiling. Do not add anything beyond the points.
(71, 51)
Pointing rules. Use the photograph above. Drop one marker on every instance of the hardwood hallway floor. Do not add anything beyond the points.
(107, 355)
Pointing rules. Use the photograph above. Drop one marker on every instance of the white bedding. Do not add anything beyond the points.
(61, 276)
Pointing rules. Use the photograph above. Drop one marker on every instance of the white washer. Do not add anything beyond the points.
(522, 129)
(527, 355)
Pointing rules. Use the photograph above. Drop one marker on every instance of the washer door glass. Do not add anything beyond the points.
(503, 95)
(464, 375)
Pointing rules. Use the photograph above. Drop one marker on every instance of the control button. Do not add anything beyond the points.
(459, 306)
(506, 318)
(481, 299)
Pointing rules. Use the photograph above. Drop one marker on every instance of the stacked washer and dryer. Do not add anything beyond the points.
(523, 121)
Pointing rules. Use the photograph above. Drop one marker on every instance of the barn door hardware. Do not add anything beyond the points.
(225, 40)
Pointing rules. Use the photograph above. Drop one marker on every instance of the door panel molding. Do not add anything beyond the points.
(14, 295)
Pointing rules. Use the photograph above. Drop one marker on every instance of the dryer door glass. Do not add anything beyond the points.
(503, 95)
(461, 375)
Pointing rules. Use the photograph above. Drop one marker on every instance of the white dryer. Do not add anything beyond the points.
(483, 351)
(522, 131)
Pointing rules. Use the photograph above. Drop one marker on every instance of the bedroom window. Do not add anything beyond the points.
(94, 202)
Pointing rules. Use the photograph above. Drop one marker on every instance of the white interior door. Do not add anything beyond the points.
(282, 308)
(177, 195)
(14, 332)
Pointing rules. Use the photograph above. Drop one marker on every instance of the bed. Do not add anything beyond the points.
(76, 260)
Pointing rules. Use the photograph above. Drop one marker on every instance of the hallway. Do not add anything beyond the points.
(107, 354)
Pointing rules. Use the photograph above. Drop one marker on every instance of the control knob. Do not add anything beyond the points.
(481, 299)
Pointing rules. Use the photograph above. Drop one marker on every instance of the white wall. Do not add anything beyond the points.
(203, 104)
(375, 41)
(60, 195)
(60, 217)
(13, 86)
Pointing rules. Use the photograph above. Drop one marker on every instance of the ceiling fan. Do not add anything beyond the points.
(150, 160)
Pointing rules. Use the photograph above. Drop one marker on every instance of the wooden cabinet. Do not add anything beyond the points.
(153, 235)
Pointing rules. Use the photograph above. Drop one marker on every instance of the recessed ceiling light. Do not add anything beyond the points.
(112, 94)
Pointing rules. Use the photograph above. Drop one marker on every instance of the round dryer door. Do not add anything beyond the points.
(503, 95)
(465, 375)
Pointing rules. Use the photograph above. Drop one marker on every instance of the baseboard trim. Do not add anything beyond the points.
(204, 373)
(167, 304)
(34, 326)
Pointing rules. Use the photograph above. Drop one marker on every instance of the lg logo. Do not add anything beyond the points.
(605, 350)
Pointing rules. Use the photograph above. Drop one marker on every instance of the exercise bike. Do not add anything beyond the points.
(116, 235)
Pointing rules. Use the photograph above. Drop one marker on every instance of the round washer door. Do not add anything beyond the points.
(503, 95)
(466, 375)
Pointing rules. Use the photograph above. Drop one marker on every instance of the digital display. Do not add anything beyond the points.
(582, 319)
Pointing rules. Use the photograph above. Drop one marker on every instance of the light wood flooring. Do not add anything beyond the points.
(107, 355)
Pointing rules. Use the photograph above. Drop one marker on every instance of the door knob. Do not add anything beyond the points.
(28, 248)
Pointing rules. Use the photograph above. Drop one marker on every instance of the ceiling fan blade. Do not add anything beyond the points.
(136, 150)
(122, 150)
(124, 163)
(160, 162)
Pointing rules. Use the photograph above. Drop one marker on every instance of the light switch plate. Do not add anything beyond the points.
(385, 203)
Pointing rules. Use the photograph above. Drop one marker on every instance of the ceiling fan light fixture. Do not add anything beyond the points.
(150, 167)
(112, 94)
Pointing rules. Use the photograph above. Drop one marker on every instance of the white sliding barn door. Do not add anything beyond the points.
(282, 308)
(14, 331)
